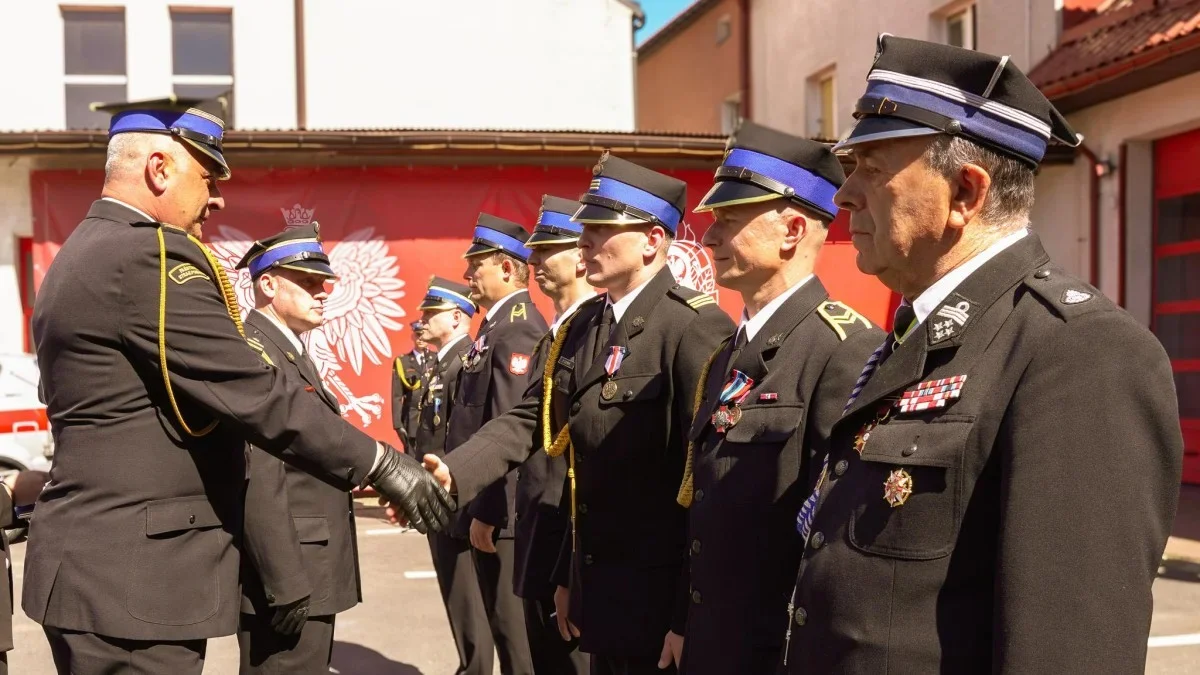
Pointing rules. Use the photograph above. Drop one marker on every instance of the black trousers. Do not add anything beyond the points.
(551, 653)
(627, 665)
(464, 603)
(266, 652)
(506, 616)
(79, 653)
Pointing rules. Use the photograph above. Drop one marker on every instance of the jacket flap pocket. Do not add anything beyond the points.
(311, 529)
(765, 424)
(635, 388)
(937, 442)
(179, 513)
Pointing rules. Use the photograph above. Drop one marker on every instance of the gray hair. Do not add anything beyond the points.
(128, 152)
(1010, 198)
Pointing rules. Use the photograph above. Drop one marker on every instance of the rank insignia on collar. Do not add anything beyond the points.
(943, 329)
(931, 394)
(897, 488)
(957, 313)
(638, 321)
(1074, 297)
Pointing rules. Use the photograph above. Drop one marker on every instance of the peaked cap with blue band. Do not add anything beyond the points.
(762, 164)
(298, 248)
(494, 234)
(174, 116)
(554, 224)
(917, 88)
(444, 294)
(623, 193)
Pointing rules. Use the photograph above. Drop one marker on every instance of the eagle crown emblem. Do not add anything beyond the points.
(596, 170)
(297, 216)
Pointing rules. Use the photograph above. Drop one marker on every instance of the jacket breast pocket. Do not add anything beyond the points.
(175, 580)
(765, 424)
(632, 389)
(909, 488)
(476, 378)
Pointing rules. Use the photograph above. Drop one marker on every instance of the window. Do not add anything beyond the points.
(822, 105)
(731, 112)
(202, 54)
(960, 28)
(724, 29)
(94, 58)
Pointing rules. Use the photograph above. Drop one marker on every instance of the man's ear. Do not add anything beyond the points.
(969, 189)
(267, 285)
(797, 227)
(160, 168)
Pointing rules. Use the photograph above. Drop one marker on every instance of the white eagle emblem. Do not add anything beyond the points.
(359, 312)
(691, 264)
(518, 364)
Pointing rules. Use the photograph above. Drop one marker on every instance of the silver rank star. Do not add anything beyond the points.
(943, 329)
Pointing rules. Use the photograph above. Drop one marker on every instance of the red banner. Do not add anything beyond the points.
(387, 230)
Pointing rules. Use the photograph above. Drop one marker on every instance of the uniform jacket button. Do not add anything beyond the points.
(696, 597)
(628, 394)
(270, 597)
(909, 450)
(575, 407)
(695, 547)
(192, 519)
(817, 540)
(1041, 274)
(583, 508)
(840, 467)
(699, 495)
(587, 559)
(801, 616)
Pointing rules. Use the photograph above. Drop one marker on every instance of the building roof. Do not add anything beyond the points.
(674, 26)
(410, 142)
(1150, 40)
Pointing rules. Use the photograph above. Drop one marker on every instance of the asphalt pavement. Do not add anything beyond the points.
(400, 628)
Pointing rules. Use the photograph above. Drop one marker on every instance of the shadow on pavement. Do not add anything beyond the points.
(352, 659)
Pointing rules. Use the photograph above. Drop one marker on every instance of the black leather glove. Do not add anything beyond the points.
(407, 486)
(289, 619)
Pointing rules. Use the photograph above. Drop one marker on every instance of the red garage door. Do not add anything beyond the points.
(1176, 282)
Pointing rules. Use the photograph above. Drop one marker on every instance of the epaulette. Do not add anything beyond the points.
(1069, 297)
(518, 311)
(842, 318)
(257, 346)
(691, 298)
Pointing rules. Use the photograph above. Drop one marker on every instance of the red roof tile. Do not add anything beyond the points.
(1127, 35)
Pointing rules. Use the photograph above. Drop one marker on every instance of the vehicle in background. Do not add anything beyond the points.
(25, 438)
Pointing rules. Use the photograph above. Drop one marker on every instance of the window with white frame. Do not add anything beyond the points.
(822, 105)
(202, 56)
(94, 64)
(960, 27)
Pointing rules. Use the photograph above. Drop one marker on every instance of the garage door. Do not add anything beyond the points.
(1176, 283)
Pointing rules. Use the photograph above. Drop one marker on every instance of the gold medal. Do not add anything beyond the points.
(609, 390)
(897, 488)
(437, 420)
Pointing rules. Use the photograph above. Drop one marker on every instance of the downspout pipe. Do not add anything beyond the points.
(744, 20)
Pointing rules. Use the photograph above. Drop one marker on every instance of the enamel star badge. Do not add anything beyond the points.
(897, 488)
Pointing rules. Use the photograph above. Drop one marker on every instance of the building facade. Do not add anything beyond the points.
(692, 74)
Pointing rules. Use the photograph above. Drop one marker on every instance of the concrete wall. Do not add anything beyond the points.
(683, 83)
(16, 220)
(792, 41)
(510, 64)
(549, 64)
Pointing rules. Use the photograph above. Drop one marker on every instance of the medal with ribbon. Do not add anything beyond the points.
(477, 348)
(736, 388)
(612, 363)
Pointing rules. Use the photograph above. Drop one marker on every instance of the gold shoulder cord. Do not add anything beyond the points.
(404, 380)
(231, 306)
(555, 447)
(684, 498)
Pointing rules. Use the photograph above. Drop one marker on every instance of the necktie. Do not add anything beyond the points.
(603, 332)
(903, 324)
(739, 343)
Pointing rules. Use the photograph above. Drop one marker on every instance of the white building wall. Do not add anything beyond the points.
(508, 64)
(790, 41)
(16, 220)
(550, 64)
(264, 61)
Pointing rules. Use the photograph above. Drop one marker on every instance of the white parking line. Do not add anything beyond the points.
(421, 574)
(1175, 640)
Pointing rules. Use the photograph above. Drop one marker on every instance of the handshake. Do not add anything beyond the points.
(414, 493)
